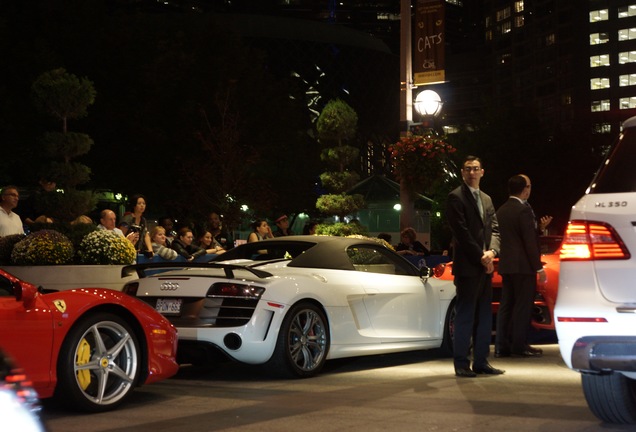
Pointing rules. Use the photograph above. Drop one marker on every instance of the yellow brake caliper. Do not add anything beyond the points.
(83, 357)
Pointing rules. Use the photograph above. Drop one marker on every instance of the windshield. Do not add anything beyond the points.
(263, 251)
(617, 172)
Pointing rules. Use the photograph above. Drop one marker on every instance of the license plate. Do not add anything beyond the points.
(169, 306)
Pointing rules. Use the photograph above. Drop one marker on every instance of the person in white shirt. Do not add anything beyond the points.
(10, 222)
(108, 220)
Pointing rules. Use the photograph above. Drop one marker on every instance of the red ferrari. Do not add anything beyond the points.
(86, 348)
(545, 298)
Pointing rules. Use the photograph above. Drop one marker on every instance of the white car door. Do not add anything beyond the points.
(400, 304)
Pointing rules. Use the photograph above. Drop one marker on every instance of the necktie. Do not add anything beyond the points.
(479, 206)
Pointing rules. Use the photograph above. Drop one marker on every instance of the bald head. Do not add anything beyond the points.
(108, 219)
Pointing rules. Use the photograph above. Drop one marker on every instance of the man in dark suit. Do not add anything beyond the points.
(519, 265)
(473, 221)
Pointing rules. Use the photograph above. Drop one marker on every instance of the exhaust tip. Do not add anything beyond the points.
(232, 341)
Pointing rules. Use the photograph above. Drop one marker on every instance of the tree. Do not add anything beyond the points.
(338, 123)
(64, 96)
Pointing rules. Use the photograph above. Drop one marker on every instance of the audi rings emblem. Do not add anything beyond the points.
(169, 286)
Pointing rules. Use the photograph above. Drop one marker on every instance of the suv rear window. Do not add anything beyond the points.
(617, 174)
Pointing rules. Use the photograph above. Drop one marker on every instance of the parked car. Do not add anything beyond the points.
(87, 348)
(596, 308)
(294, 302)
(545, 298)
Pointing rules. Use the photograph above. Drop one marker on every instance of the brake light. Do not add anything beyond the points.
(585, 240)
(131, 289)
(229, 289)
(438, 270)
(582, 319)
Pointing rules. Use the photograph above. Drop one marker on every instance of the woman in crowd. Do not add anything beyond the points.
(159, 246)
(135, 221)
(409, 245)
(310, 228)
(183, 245)
(260, 231)
(207, 241)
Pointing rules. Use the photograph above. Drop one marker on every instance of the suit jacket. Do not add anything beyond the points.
(520, 252)
(472, 235)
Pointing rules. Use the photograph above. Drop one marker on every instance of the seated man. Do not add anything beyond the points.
(108, 220)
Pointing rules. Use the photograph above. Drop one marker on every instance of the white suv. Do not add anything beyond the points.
(596, 305)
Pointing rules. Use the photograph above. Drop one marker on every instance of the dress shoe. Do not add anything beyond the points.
(465, 373)
(528, 353)
(502, 353)
(487, 370)
(534, 350)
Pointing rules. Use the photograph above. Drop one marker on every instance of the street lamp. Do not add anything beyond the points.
(428, 103)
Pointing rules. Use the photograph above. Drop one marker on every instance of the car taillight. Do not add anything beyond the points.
(586, 240)
(131, 289)
(228, 289)
(438, 270)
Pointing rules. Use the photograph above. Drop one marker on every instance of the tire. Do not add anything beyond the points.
(611, 397)
(99, 364)
(303, 342)
(449, 331)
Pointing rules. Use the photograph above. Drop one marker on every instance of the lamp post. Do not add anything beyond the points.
(428, 104)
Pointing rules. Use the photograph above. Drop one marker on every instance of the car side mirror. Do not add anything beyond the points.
(426, 272)
(25, 293)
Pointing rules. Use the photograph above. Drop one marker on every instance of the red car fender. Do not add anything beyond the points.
(160, 336)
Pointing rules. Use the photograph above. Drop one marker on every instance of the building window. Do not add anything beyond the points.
(519, 6)
(599, 60)
(488, 21)
(519, 21)
(599, 38)
(566, 99)
(503, 14)
(601, 105)
(626, 11)
(506, 27)
(489, 35)
(626, 34)
(550, 39)
(602, 128)
(627, 102)
(627, 57)
(599, 15)
(599, 83)
(504, 58)
(627, 80)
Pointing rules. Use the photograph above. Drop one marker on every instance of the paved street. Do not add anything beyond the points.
(414, 391)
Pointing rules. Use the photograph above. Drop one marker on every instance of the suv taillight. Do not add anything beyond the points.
(586, 240)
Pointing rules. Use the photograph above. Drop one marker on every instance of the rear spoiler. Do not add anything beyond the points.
(140, 269)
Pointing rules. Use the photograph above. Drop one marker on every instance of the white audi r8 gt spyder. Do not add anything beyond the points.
(294, 302)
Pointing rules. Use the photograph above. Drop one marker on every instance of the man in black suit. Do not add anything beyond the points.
(519, 265)
(473, 221)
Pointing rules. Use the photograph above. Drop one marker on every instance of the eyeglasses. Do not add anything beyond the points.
(474, 168)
